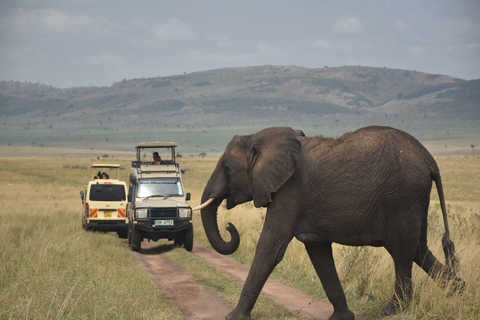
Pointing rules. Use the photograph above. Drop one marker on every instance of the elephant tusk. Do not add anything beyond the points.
(203, 205)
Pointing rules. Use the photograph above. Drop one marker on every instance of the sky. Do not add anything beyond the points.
(69, 43)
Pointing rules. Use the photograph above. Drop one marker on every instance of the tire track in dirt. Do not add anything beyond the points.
(192, 299)
(205, 304)
(294, 300)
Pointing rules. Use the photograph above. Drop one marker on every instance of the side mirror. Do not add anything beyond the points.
(82, 194)
(188, 196)
(129, 197)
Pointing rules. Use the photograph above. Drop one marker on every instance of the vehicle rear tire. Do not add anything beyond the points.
(188, 239)
(122, 234)
(136, 244)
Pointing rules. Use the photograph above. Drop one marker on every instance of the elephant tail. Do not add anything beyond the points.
(451, 258)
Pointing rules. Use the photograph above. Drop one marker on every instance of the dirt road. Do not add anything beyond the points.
(205, 304)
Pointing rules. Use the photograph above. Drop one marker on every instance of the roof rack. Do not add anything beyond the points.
(157, 144)
(115, 167)
(105, 165)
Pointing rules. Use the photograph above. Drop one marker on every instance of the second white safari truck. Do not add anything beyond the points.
(105, 201)
(158, 207)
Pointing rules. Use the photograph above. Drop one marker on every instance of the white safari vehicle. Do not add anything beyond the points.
(158, 207)
(105, 200)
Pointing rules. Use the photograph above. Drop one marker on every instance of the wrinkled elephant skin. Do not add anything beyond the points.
(371, 187)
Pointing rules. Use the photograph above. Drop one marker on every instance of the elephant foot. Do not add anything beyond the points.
(238, 315)
(457, 287)
(344, 315)
(391, 308)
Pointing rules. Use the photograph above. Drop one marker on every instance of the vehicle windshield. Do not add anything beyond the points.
(166, 187)
(107, 192)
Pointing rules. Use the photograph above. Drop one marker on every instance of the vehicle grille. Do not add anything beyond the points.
(163, 213)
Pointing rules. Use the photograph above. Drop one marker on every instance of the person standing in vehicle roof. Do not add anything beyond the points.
(156, 158)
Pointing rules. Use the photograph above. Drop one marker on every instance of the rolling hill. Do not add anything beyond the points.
(203, 110)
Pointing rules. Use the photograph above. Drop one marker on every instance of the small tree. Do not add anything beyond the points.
(202, 155)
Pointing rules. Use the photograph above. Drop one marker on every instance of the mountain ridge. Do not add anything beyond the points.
(330, 100)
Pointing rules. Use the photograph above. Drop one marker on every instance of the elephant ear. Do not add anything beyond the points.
(274, 156)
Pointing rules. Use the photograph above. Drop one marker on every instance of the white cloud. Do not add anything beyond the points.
(401, 26)
(321, 44)
(174, 29)
(227, 43)
(345, 46)
(15, 52)
(266, 50)
(348, 26)
(468, 46)
(262, 50)
(140, 23)
(417, 51)
(54, 21)
(460, 27)
(107, 60)
(198, 55)
(220, 42)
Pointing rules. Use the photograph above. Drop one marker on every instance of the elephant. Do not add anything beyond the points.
(370, 187)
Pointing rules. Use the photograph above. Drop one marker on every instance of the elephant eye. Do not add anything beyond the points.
(227, 167)
(254, 157)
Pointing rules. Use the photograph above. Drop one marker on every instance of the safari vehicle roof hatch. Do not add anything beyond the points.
(157, 144)
(97, 166)
(165, 149)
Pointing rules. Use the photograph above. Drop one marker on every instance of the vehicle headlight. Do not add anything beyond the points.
(142, 213)
(184, 212)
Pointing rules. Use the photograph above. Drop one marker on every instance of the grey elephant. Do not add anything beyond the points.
(371, 187)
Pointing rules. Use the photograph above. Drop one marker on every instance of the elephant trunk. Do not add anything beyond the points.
(209, 220)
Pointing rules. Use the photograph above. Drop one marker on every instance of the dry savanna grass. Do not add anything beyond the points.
(51, 268)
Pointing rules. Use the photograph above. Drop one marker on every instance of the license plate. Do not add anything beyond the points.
(107, 214)
(164, 222)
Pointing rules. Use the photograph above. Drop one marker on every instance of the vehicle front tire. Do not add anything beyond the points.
(129, 235)
(136, 240)
(188, 239)
(178, 241)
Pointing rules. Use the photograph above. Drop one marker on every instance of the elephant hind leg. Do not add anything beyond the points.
(403, 288)
(425, 259)
(403, 256)
(322, 259)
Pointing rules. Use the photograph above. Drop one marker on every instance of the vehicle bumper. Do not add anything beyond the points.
(107, 225)
(152, 232)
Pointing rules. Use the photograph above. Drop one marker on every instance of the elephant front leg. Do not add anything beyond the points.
(270, 251)
(322, 259)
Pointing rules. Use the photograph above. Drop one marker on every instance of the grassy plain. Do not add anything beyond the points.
(51, 268)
